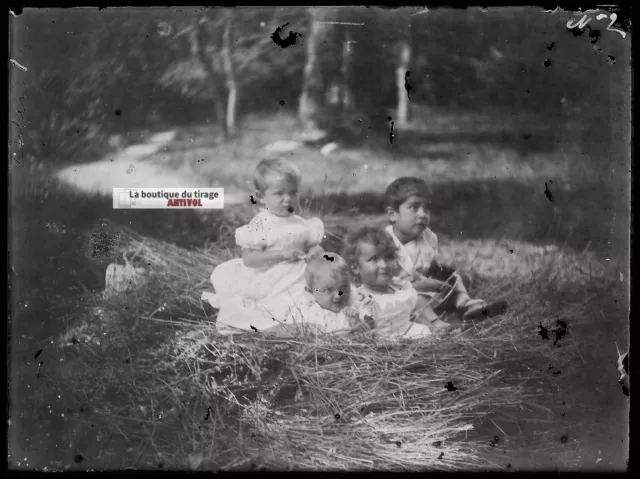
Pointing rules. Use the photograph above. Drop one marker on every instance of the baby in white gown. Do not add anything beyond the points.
(329, 303)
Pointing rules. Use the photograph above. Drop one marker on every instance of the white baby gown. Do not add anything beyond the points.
(240, 291)
(392, 312)
(306, 312)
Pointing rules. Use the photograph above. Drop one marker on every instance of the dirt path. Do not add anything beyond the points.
(132, 168)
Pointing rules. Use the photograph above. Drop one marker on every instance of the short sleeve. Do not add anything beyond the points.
(315, 228)
(252, 236)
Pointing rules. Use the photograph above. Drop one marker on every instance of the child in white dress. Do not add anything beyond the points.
(396, 307)
(417, 251)
(328, 304)
(274, 245)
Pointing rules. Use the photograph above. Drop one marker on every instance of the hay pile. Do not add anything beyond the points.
(203, 401)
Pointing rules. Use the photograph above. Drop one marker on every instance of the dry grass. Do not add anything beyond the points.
(164, 380)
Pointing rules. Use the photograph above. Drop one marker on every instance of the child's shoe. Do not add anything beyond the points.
(478, 309)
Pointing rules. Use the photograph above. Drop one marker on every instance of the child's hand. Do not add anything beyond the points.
(292, 254)
(428, 285)
(357, 325)
(313, 249)
(352, 316)
(365, 299)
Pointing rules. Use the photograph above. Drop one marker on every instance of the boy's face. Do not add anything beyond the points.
(330, 292)
(280, 196)
(376, 266)
(411, 218)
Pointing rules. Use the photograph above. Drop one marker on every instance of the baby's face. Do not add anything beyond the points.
(331, 293)
(376, 266)
(280, 196)
(412, 217)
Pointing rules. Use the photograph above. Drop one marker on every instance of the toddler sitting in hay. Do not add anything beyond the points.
(417, 249)
(274, 245)
(397, 309)
(329, 303)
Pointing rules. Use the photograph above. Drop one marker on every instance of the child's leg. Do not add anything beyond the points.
(444, 272)
(424, 314)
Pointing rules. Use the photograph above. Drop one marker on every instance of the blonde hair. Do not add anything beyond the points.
(275, 166)
(322, 262)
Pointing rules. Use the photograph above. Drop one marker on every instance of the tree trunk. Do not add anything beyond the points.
(347, 49)
(311, 99)
(403, 94)
(232, 88)
(209, 65)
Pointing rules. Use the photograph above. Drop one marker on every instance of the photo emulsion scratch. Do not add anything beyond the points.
(319, 238)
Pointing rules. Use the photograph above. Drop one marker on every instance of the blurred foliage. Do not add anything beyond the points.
(94, 74)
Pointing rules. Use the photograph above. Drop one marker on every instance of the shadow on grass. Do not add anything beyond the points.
(523, 137)
(582, 217)
(61, 245)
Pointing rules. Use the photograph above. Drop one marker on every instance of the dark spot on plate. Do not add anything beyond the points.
(286, 41)
(564, 439)
(78, 458)
(542, 331)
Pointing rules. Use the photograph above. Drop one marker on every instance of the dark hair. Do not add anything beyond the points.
(376, 237)
(401, 189)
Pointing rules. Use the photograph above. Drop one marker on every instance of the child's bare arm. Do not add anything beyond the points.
(259, 259)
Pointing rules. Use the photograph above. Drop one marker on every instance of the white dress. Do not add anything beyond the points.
(240, 290)
(416, 254)
(307, 313)
(392, 312)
